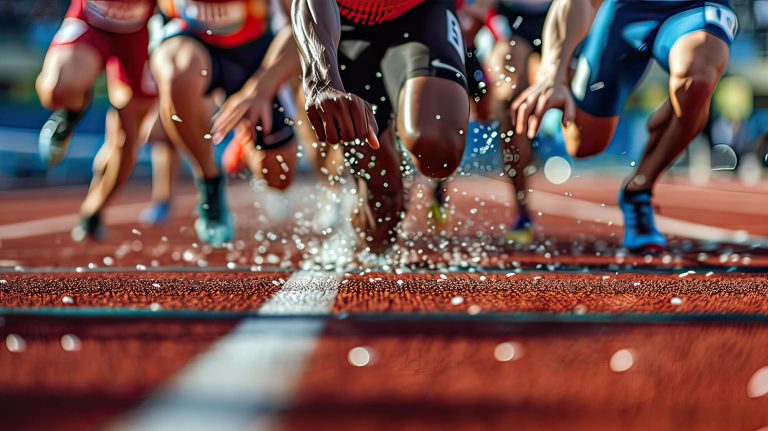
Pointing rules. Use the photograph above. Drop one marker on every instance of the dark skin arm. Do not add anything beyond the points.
(336, 116)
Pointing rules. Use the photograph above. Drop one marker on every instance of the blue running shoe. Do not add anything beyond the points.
(90, 227)
(640, 232)
(55, 136)
(214, 224)
(156, 214)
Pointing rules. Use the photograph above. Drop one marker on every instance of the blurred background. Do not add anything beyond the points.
(735, 142)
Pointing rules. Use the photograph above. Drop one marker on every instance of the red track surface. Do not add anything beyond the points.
(422, 372)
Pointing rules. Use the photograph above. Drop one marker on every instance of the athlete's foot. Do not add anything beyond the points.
(90, 228)
(640, 232)
(439, 211)
(56, 135)
(521, 232)
(156, 214)
(377, 217)
(214, 224)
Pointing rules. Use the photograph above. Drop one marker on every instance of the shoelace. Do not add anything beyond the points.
(641, 217)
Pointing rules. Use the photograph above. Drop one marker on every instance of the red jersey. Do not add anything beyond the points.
(224, 23)
(372, 12)
(115, 16)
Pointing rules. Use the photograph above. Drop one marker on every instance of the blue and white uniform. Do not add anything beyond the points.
(627, 34)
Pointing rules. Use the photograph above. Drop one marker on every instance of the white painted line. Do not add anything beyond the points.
(251, 374)
(239, 384)
(119, 214)
(305, 293)
(578, 209)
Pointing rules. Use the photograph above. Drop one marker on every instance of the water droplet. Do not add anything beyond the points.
(758, 383)
(557, 170)
(67, 300)
(176, 118)
(622, 360)
(507, 351)
(361, 356)
(15, 343)
(457, 300)
(70, 343)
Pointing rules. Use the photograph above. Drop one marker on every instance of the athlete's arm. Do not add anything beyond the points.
(566, 26)
(253, 102)
(335, 114)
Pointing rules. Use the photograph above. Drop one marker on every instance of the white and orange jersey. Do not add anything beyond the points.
(372, 12)
(116, 16)
(223, 23)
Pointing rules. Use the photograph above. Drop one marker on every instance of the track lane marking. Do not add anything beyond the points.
(249, 375)
(577, 209)
(118, 214)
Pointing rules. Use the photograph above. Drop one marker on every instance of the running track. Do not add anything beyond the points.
(287, 329)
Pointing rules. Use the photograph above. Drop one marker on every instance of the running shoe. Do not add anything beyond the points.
(156, 214)
(214, 224)
(56, 135)
(522, 231)
(439, 211)
(90, 227)
(640, 232)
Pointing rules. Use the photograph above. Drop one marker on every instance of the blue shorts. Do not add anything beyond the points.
(627, 34)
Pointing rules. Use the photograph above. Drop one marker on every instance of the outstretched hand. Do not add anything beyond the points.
(339, 117)
(528, 109)
(250, 107)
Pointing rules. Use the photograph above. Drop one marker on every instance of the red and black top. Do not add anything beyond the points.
(115, 16)
(224, 23)
(372, 12)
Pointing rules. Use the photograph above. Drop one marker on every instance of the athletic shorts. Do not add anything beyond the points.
(627, 34)
(376, 60)
(231, 68)
(516, 21)
(124, 55)
(476, 79)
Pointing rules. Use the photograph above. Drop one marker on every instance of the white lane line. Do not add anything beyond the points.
(119, 214)
(248, 377)
(553, 204)
(305, 293)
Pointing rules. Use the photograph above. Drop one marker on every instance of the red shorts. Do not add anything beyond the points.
(124, 55)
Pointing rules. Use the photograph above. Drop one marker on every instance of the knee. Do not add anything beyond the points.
(279, 181)
(57, 94)
(581, 143)
(437, 151)
(692, 87)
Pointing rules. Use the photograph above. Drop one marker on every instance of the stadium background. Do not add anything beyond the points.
(734, 142)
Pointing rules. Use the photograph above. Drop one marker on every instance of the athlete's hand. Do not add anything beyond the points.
(528, 109)
(251, 107)
(341, 117)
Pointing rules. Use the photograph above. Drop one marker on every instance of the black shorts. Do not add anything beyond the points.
(231, 68)
(524, 23)
(476, 82)
(376, 60)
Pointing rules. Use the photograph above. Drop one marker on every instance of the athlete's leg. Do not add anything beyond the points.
(381, 191)
(64, 86)
(165, 164)
(432, 119)
(177, 64)
(117, 157)
(68, 74)
(696, 62)
(509, 71)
